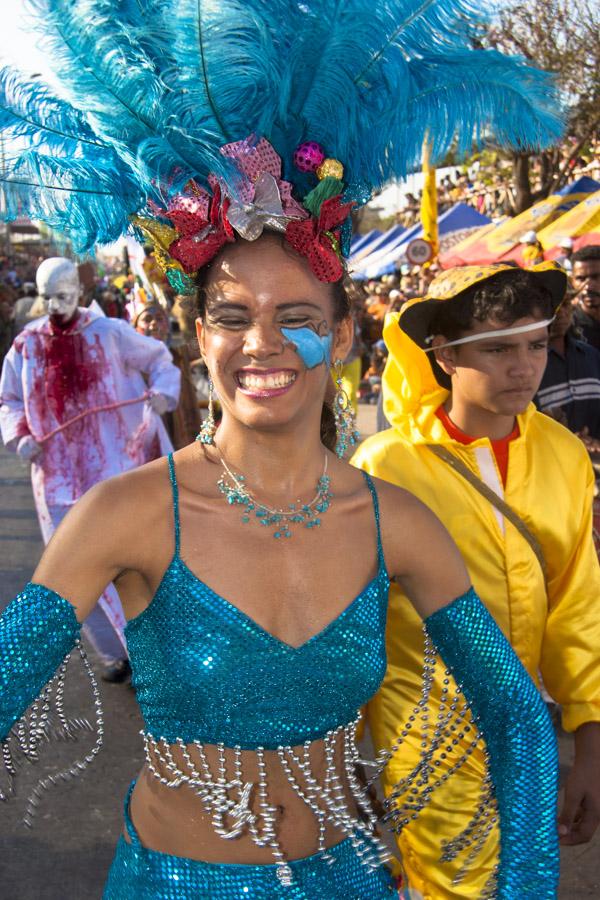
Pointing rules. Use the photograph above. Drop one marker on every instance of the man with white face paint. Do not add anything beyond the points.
(515, 490)
(81, 397)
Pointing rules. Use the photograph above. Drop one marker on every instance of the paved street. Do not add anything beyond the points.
(66, 855)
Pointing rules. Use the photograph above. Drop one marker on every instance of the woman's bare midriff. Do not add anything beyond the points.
(173, 819)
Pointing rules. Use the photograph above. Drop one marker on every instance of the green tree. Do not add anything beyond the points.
(563, 37)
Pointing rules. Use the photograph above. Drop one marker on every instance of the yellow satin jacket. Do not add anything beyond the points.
(554, 627)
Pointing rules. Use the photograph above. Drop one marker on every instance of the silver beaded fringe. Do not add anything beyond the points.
(38, 727)
(453, 725)
(238, 805)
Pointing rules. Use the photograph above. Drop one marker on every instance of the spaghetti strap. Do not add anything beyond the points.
(375, 498)
(175, 490)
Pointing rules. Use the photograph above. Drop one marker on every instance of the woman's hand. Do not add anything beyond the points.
(580, 814)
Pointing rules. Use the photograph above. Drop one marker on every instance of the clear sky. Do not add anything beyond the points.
(17, 47)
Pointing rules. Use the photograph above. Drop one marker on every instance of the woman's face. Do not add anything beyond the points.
(153, 323)
(268, 335)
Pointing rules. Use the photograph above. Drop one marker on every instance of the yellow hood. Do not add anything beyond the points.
(411, 394)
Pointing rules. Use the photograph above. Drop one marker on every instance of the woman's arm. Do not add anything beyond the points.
(506, 706)
(39, 628)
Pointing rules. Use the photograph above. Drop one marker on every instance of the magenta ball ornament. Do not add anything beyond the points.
(308, 156)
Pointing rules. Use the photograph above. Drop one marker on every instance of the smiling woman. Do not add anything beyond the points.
(241, 299)
(254, 644)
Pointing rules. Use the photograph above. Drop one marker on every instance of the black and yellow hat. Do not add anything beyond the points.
(417, 315)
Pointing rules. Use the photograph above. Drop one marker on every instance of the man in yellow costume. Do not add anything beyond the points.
(465, 362)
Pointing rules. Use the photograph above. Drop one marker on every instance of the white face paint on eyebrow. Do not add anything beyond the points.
(502, 332)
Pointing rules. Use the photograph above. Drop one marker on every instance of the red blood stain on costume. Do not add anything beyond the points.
(70, 371)
(73, 375)
(74, 382)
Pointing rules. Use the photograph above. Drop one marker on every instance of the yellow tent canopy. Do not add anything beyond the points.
(582, 219)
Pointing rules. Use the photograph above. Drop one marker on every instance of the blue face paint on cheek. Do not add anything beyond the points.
(312, 349)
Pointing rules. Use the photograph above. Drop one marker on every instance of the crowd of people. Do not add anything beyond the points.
(270, 580)
(169, 318)
(488, 185)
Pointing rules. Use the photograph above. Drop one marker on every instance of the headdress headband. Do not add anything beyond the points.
(500, 332)
(160, 98)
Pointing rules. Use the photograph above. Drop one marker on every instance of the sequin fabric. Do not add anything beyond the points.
(37, 630)
(522, 755)
(149, 875)
(204, 671)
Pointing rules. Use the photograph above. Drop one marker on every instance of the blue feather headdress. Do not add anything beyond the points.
(152, 91)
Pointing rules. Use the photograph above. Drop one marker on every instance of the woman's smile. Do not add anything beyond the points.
(265, 382)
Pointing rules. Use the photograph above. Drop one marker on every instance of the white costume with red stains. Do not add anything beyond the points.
(52, 375)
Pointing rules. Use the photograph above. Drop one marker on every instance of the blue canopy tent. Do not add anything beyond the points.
(583, 185)
(460, 217)
(377, 243)
(362, 240)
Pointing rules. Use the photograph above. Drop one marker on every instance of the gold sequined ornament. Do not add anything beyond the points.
(162, 236)
(330, 168)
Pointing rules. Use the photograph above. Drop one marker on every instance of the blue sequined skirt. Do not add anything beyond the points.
(141, 874)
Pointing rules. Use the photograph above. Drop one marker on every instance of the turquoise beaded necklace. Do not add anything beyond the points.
(281, 520)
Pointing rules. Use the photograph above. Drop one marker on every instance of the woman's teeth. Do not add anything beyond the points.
(266, 382)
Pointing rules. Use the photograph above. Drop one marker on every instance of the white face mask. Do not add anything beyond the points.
(58, 285)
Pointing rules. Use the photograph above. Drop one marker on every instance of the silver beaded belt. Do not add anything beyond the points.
(239, 806)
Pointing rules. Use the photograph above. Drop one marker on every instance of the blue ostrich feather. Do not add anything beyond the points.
(29, 110)
(224, 85)
(154, 88)
(464, 97)
(392, 73)
(90, 202)
(105, 73)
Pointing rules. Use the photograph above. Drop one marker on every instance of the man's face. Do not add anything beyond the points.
(499, 375)
(60, 290)
(586, 281)
(562, 320)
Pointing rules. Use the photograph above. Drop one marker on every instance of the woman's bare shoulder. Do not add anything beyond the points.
(135, 494)
(420, 554)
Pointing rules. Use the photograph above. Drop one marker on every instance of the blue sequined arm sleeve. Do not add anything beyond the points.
(514, 722)
(38, 631)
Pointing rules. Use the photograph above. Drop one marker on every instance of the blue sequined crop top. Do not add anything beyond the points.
(204, 671)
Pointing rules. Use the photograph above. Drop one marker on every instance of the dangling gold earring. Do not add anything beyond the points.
(345, 420)
(207, 432)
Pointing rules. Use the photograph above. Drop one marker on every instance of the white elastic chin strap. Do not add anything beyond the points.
(502, 332)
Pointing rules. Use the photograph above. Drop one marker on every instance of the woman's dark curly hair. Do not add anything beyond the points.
(341, 310)
(511, 295)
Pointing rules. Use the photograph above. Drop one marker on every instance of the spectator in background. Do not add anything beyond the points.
(566, 246)
(185, 316)
(28, 307)
(396, 300)
(109, 301)
(7, 319)
(152, 321)
(183, 423)
(570, 387)
(586, 282)
(372, 377)
(533, 252)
